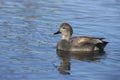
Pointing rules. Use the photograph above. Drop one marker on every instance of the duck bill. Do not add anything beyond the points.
(58, 32)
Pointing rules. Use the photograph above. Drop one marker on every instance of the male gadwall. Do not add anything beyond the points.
(81, 43)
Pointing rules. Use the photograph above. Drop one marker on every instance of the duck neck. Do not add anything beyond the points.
(66, 36)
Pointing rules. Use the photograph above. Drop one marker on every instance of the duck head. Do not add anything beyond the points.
(66, 31)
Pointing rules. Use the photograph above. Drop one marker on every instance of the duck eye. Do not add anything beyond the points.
(63, 27)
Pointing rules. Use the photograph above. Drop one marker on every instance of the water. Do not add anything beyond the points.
(27, 43)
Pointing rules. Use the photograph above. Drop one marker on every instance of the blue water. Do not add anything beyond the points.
(27, 43)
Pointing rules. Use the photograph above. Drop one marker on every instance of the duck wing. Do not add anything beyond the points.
(76, 41)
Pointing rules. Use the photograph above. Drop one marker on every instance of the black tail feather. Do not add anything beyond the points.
(105, 43)
(101, 46)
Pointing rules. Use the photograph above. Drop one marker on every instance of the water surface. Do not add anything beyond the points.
(27, 43)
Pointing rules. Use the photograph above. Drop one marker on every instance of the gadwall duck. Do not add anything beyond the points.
(81, 43)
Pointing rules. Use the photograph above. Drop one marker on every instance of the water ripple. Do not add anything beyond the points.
(27, 43)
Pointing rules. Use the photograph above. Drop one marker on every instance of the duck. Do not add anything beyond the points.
(79, 43)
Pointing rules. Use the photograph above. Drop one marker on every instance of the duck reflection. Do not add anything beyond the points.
(65, 57)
